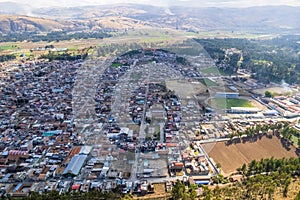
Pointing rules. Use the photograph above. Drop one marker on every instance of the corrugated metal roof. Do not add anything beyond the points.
(75, 164)
(85, 150)
(202, 182)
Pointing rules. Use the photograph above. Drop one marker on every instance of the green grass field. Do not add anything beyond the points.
(228, 103)
(212, 70)
(207, 82)
(8, 47)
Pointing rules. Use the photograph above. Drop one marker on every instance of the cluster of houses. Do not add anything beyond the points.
(63, 186)
(283, 105)
(38, 137)
(195, 162)
(192, 162)
(148, 94)
(40, 149)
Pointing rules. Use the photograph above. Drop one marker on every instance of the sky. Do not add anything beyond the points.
(165, 3)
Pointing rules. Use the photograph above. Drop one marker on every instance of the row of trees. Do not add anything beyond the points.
(268, 165)
(179, 191)
(4, 58)
(278, 128)
(63, 56)
(117, 49)
(264, 179)
(52, 36)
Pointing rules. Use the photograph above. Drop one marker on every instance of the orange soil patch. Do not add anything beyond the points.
(74, 151)
(234, 156)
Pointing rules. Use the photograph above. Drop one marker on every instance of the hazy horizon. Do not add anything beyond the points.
(164, 3)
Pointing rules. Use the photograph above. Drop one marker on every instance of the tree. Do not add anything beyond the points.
(219, 178)
(217, 192)
(244, 168)
(192, 191)
(207, 193)
(231, 136)
(127, 197)
(298, 196)
(269, 94)
(178, 191)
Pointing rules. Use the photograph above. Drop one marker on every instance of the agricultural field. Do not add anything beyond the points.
(8, 47)
(235, 155)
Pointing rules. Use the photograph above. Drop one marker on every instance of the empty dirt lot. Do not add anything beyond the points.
(186, 89)
(235, 155)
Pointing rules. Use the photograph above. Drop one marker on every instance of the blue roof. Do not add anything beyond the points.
(75, 164)
(17, 187)
(85, 150)
(5, 153)
(51, 133)
(202, 182)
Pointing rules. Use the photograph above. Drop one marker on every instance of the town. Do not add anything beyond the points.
(154, 117)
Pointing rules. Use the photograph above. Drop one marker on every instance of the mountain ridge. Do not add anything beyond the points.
(262, 19)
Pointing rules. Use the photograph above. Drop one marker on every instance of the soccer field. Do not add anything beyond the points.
(223, 103)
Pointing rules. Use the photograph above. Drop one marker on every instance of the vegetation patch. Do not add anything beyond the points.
(8, 47)
(52, 36)
(212, 70)
(281, 64)
(136, 76)
(207, 82)
(7, 57)
(63, 56)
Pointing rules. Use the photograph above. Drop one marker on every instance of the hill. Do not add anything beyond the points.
(21, 24)
(264, 20)
(13, 23)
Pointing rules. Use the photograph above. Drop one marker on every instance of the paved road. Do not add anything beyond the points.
(83, 103)
(142, 134)
(209, 160)
(162, 134)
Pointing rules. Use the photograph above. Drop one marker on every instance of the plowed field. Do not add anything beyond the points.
(235, 155)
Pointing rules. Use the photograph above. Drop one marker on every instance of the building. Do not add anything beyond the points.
(270, 112)
(244, 110)
(229, 95)
(85, 150)
(75, 165)
(201, 180)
